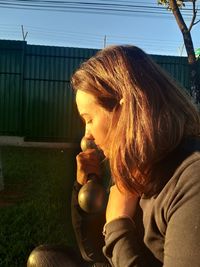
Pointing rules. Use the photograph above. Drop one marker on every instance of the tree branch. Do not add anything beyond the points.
(178, 16)
(184, 29)
(196, 22)
(194, 15)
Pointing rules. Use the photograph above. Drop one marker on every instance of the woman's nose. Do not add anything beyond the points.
(88, 134)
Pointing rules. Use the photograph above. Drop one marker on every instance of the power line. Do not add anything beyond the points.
(88, 7)
(117, 7)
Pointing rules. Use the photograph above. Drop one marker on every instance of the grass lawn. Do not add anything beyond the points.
(35, 203)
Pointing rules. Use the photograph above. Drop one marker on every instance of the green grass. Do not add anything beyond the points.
(38, 184)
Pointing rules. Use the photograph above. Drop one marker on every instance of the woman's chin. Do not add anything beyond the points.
(103, 151)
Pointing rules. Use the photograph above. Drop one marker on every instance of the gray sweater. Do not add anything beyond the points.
(169, 233)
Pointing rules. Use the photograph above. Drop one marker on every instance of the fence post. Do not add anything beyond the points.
(1, 174)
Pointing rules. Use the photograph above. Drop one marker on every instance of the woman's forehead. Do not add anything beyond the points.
(85, 101)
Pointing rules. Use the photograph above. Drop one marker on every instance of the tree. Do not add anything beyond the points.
(175, 6)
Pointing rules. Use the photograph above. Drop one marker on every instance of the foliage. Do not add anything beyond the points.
(166, 3)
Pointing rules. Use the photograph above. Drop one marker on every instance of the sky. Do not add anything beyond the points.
(141, 23)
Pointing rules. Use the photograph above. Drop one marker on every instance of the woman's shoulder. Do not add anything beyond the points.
(185, 165)
(188, 172)
(184, 185)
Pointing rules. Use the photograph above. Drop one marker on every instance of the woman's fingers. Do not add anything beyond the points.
(88, 162)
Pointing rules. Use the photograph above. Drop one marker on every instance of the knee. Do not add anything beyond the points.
(53, 256)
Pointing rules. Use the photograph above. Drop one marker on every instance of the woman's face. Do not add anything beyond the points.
(96, 118)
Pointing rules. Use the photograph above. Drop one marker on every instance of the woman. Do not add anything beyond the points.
(149, 130)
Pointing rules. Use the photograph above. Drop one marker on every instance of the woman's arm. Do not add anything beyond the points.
(182, 241)
(122, 244)
(176, 210)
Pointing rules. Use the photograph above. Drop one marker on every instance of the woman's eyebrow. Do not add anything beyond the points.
(84, 114)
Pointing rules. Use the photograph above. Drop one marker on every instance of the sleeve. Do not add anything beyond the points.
(122, 244)
(182, 240)
(88, 231)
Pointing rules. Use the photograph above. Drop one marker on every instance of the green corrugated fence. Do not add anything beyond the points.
(36, 100)
(11, 83)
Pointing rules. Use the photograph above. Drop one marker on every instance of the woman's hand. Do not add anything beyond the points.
(88, 162)
(120, 204)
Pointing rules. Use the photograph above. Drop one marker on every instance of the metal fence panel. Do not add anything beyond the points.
(11, 68)
(177, 67)
(36, 100)
(48, 95)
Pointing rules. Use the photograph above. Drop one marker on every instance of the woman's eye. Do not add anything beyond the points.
(89, 121)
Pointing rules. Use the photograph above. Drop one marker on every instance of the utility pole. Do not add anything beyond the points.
(181, 49)
(104, 41)
(24, 34)
(1, 174)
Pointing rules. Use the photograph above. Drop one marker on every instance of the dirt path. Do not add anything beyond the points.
(11, 195)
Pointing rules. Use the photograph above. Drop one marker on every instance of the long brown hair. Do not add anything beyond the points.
(155, 113)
